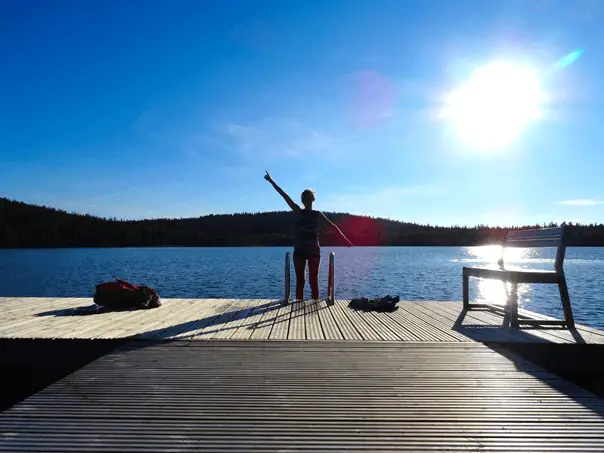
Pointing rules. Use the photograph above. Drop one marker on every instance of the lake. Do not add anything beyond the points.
(413, 273)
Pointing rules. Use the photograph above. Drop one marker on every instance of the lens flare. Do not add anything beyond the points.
(565, 61)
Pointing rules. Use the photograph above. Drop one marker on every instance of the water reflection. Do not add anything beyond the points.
(512, 255)
(495, 291)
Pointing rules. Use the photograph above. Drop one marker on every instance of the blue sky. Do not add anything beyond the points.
(175, 109)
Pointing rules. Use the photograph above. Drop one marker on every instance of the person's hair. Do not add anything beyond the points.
(308, 193)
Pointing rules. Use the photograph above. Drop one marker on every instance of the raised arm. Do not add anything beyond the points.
(329, 223)
(281, 192)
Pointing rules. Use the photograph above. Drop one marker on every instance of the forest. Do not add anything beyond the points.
(24, 225)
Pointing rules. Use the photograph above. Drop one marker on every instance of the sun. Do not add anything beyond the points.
(495, 104)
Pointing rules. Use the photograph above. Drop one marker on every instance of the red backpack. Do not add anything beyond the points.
(121, 294)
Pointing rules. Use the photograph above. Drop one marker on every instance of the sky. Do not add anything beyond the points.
(151, 109)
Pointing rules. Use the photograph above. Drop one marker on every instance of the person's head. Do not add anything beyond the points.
(308, 198)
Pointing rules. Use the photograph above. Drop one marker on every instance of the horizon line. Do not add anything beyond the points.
(425, 225)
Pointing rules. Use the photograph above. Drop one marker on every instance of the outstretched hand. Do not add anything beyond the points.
(268, 177)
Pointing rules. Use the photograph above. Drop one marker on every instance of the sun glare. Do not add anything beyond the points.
(492, 108)
(490, 254)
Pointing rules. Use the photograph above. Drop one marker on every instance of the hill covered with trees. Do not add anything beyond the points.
(28, 226)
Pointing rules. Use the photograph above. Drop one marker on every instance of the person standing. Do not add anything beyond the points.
(306, 243)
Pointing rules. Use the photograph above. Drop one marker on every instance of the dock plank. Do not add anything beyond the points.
(297, 330)
(186, 312)
(484, 326)
(263, 330)
(357, 319)
(16, 323)
(246, 328)
(281, 326)
(382, 329)
(329, 325)
(153, 324)
(433, 323)
(560, 334)
(404, 329)
(415, 324)
(47, 321)
(216, 322)
(231, 326)
(272, 396)
(593, 335)
(199, 319)
(199, 313)
(436, 321)
(19, 309)
(314, 330)
(399, 332)
(345, 325)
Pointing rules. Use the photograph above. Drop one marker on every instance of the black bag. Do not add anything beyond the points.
(383, 304)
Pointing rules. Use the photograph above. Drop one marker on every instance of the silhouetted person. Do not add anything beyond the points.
(306, 245)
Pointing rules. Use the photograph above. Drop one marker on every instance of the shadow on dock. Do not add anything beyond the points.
(29, 366)
(580, 363)
(220, 322)
(85, 310)
(559, 367)
(477, 331)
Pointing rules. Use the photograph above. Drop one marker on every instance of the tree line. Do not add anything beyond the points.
(24, 225)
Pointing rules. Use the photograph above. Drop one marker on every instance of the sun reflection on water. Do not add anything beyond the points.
(491, 253)
(495, 291)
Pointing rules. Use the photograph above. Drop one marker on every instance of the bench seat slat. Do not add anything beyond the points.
(545, 237)
(532, 242)
(494, 267)
(512, 275)
(542, 232)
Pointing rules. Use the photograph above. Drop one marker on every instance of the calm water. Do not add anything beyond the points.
(415, 273)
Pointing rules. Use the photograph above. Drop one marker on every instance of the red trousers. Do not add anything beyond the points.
(314, 261)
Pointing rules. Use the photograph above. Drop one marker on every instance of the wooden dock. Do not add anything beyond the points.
(223, 375)
(313, 396)
(264, 319)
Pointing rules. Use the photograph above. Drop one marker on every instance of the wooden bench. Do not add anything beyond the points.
(545, 237)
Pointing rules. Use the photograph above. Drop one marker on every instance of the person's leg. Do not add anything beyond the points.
(300, 268)
(313, 275)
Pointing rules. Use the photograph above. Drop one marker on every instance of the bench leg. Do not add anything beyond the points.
(466, 292)
(568, 311)
(506, 308)
(513, 306)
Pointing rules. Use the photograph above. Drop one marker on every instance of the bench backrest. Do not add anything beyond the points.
(543, 237)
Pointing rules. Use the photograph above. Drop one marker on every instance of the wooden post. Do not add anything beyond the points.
(568, 311)
(465, 290)
(287, 280)
(331, 280)
(513, 302)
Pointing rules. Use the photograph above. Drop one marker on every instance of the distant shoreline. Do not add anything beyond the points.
(25, 226)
